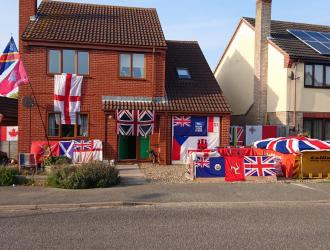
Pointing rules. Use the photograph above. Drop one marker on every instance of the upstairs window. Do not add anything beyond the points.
(54, 61)
(183, 73)
(68, 61)
(317, 75)
(132, 66)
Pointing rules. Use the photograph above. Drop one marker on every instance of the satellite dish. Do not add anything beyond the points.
(28, 102)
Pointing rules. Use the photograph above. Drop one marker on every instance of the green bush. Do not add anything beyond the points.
(57, 160)
(89, 175)
(8, 175)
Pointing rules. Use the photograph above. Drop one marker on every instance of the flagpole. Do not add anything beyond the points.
(42, 121)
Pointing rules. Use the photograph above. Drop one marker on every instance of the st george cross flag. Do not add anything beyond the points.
(213, 167)
(234, 168)
(135, 122)
(66, 149)
(87, 150)
(67, 93)
(42, 149)
(259, 166)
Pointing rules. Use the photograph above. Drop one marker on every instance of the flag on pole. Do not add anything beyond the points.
(9, 133)
(12, 71)
(14, 79)
(9, 56)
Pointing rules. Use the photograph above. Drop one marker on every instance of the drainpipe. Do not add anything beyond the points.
(295, 78)
(295, 98)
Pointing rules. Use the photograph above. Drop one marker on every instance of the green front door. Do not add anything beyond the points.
(144, 147)
(127, 147)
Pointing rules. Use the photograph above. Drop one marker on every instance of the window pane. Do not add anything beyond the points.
(327, 74)
(69, 61)
(67, 130)
(317, 129)
(308, 127)
(318, 81)
(54, 124)
(327, 130)
(309, 75)
(82, 125)
(54, 61)
(83, 61)
(125, 65)
(183, 73)
(138, 65)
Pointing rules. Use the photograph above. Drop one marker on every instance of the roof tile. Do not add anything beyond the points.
(97, 24)
(290, 44)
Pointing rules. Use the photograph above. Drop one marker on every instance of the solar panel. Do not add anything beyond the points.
(319, 41)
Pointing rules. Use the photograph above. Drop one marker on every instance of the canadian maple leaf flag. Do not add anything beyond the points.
(67, 93)
(9, 133)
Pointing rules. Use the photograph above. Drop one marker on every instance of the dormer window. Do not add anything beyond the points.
(183, 73)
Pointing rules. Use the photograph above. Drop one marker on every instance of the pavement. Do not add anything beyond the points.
(11, 197)
(131, 175)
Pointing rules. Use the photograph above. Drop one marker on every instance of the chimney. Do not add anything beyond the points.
(262, 32)
(27, 9)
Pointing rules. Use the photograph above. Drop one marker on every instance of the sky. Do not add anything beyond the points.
(210, 22)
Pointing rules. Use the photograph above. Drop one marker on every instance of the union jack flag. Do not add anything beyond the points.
(202, 162)
(135, 122)
(259, 165)
(82, 146)
(87, 150)
(182, 121)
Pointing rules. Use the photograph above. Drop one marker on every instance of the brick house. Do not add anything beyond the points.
(284, 80)
(127, 65)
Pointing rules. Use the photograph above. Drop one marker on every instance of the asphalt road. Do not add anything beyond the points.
(229, 225)
(202, 192)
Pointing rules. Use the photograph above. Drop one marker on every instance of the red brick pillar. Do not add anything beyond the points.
(27, 8)
(225, 131)
(165, 140)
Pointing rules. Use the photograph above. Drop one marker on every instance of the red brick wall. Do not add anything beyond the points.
(103, 80)
(225, 131)
(27, 8)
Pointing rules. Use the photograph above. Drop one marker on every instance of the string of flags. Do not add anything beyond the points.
(234, 168)
(247, 135)
(79, 151)
(12, 71)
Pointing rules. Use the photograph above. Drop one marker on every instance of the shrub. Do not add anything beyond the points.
(88, 175)
(8, 175)
(57, 160)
